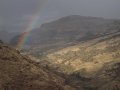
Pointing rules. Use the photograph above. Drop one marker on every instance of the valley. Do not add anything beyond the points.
(71, 53)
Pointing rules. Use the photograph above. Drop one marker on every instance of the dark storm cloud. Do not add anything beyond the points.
(12, 12)
(98, 8)
(16, 13)
(18, 7)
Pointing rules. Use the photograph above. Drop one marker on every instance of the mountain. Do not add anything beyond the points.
(72, 53)
(67, 30)
(92, 65)
(19, 72)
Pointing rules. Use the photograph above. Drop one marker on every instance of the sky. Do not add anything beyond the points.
(15, 15)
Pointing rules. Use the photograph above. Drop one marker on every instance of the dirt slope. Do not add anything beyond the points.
(94, 65)
(18, 72)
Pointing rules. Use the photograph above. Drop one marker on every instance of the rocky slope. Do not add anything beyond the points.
(18, 72)
(91, 65)
(97, 51)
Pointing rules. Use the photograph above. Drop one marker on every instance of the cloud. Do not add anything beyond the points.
(15, 13)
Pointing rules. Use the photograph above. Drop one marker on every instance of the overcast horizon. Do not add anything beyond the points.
(15, 14)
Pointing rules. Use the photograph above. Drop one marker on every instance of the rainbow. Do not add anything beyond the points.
(33, 21)
(26, 34)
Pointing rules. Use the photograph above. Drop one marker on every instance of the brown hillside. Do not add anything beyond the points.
(18, 72)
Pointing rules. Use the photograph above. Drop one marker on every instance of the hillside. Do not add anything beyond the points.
(92, 64)
(67, 30)
(18, 72)
(106, 48)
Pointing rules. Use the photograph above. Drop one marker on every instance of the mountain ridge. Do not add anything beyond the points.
(68, 29)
